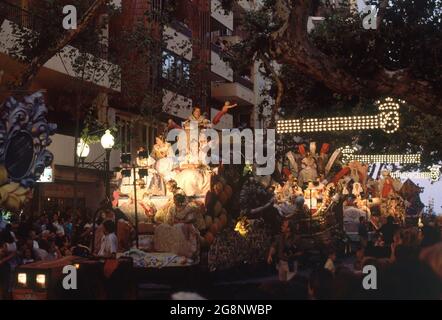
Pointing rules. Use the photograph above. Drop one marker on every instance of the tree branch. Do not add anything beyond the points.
(26, 77)
(290, 45)
(381, 13)
(279, 86)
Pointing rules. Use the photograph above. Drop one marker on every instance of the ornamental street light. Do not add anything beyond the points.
(83, 150)
(107, 142)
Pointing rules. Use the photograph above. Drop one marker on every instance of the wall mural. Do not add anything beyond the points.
(24, 137)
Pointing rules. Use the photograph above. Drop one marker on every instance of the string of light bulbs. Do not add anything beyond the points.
(348, 155)
(387, 119)
(433, 175)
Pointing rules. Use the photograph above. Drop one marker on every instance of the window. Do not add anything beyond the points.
(148, 135)
(168, 65)
(124, 135)
(186, 71)
(174, 68)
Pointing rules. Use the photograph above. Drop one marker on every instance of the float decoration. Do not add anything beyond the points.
(387, 119)
(24, 137)
(433, 174)
(348, 155)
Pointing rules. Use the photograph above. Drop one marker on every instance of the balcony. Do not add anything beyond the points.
(13, 16)
(247, 5)
(233, 91)
(221, 70)
(313, 22)
(219, 14)
(176, 105)
(178, 38)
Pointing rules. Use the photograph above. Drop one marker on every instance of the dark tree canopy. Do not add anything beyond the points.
(340, 68)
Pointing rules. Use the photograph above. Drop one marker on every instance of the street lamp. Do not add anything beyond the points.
(107, 142)
(83, 149)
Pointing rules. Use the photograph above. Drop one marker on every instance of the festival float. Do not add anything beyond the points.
(177, 204)
(184, 209)
(24, 137)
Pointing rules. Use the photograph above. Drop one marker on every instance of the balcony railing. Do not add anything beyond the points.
(244, 82)
(36, 21)
(20, 16)
(216, 48)
(182, 28)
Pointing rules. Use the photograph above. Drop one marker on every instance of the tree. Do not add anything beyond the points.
(340, 68)
(132, 56)
(400, 58)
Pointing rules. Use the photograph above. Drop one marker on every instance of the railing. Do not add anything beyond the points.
(35, 21)
(20, 16)
(244, 82)
(219, 50)
(180, 27)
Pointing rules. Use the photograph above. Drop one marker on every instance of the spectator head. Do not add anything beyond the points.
(345, 284)
(411, 280)
(361, 219)
(44, 219)
(109, 215)
(30, 243)
(6, 235)
(109, 227)
(27, 253)
(331, 254)
(45, 234)
(286, 226)
(320, 284)
(390, 220)
(432, 256)
(32, 235)
(360, 252)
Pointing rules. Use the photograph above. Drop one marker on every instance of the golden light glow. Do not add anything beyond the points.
(41, 280)
(241, 228)
(22, 279)
(387, 120)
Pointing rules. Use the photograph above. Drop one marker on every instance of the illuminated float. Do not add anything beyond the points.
(24, 137)
(177, 203)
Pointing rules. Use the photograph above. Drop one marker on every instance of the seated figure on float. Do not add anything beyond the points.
(194, 176)
(154, 181)
(181, 209)
(309, 169)
(179, 223)
(290, 188)
(391, 203)
(311, 196)
(163, 157)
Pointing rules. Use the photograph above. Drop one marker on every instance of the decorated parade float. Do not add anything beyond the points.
(177, 204)
(187, 212)
(24, 137)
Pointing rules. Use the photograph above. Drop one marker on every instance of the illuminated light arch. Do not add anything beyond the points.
(387, 119)
(348, 155)
(433, 174)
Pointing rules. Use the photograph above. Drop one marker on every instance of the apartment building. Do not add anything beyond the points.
(191, 47)
(66, 94)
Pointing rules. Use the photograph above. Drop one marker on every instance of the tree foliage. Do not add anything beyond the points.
(340, 68)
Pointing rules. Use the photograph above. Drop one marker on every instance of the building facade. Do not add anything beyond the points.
(191, 45)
